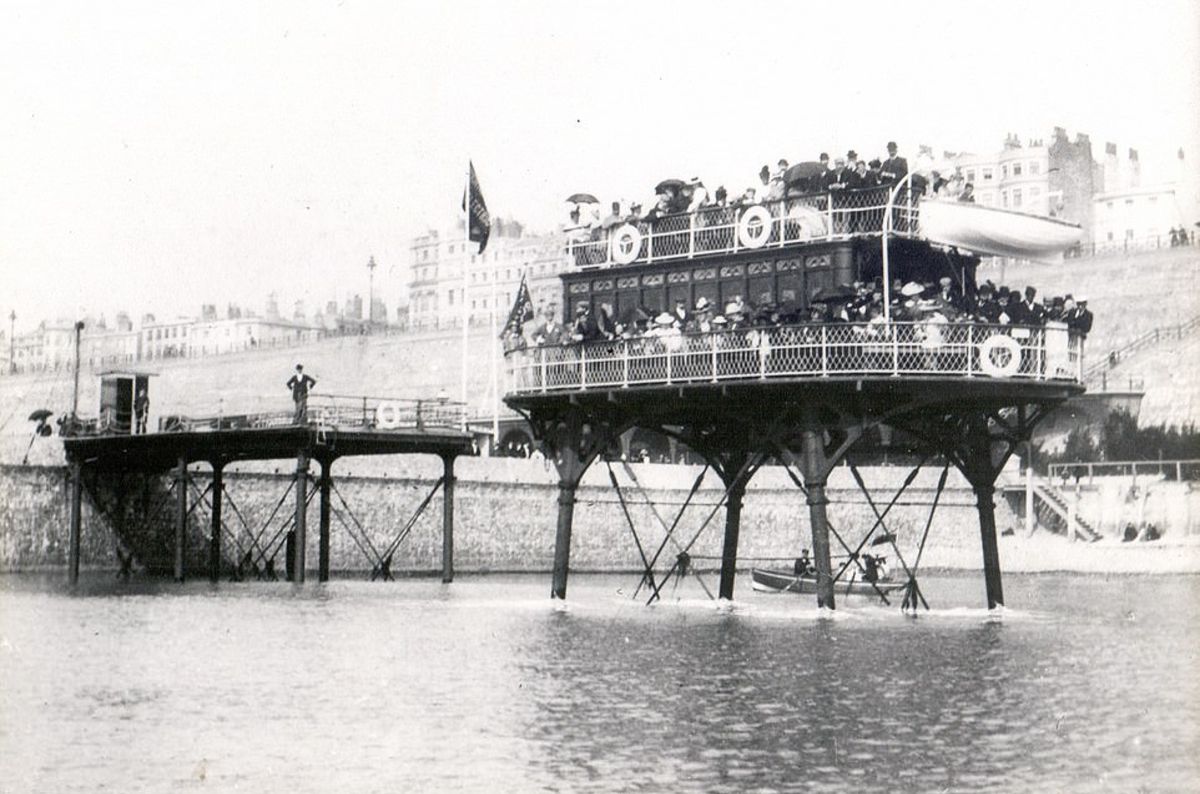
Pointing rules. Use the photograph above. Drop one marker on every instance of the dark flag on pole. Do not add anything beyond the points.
(522, 310)
(479, 222)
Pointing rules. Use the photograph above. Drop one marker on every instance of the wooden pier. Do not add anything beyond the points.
(112, 465)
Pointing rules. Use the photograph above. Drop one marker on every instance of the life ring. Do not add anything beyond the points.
(387, 415)
(750, 235)
(990, 346)
(626, 244)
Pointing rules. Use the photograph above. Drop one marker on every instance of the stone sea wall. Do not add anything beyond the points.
(505, 512)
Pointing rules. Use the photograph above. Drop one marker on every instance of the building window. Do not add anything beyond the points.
(1003, 198)
(1035, 167)
(970, 174)
(987, 175)
(1016, 197)
(1129, 234)
(1016, 169)
(1110, 236)
(1108, 205)
(1129, 202)
(1004, 171)
(1154, 199)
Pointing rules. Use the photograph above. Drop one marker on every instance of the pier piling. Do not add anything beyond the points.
(214, 544)
(301, 524)
(76, 522)
(181, 516)
(323, 485)
(447, 519)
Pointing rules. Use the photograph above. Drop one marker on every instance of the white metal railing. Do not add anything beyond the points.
(734, 228)
(967, 350)
(323, 411)
(1188, 469)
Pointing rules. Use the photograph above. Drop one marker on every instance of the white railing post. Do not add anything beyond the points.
(691, 235)
(542, 356)
(733, 230)
(829, 213)
(668, 352)
(712, 338)
(824, 351)
(782, 217)
(582, 365)
(650, 241)
(895, 330)
(625, 364)
(762, 356)
(970, 347)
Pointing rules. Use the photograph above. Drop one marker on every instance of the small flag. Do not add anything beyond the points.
(479, 222)
(522, 310)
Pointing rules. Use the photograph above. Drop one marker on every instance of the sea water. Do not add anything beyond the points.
(1084, 683)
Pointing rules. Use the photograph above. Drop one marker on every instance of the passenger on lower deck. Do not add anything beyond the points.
(803, 566)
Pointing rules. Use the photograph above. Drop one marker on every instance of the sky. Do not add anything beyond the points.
(157, 156)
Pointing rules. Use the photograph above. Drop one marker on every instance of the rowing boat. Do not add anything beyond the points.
(767, 581)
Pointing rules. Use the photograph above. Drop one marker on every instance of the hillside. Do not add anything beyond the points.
(1129, 294)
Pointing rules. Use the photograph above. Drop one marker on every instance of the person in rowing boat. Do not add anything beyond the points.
(803, 566)
(870, 568)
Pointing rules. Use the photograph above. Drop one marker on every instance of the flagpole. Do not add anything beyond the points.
(466, 316)
(495, 379)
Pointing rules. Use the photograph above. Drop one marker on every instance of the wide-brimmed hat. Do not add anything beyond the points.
(666, 318)
(911, 288)
(719, 320)
(732, 308)
(702, 304)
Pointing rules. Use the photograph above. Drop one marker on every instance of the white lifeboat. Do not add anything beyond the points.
(987, 230)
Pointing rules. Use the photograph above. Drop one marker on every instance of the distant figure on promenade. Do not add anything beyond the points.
(300, 384)
(141, 407)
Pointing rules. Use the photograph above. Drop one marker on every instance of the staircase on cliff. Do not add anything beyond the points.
(1051, 508)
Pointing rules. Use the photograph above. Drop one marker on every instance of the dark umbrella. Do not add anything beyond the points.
(831, 294)
(583, 198)
(668, 184)
(40, 415)
(805, 170)
(633, 315)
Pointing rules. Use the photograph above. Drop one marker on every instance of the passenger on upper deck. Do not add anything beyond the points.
(895, 167)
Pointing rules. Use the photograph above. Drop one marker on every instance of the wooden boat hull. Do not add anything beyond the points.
(767, 581)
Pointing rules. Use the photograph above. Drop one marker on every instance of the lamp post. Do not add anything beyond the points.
(371, 290)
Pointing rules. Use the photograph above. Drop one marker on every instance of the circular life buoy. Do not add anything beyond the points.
(754, 227)
(626, 244)
(987, 362)
(387, 415)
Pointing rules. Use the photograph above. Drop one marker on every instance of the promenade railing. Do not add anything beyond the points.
(898, 349)
(742, 227)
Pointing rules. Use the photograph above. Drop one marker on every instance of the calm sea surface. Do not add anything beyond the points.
(1086, 684)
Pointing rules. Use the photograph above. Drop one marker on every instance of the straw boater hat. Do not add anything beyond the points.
(702, 304)
(666, 318)
(719, 320)
(732, 308)
(911, 288)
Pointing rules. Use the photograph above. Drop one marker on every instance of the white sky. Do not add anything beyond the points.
(160, 155)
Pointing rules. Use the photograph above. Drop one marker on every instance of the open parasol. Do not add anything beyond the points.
(805, 170)
(583, 198)
(669, 184)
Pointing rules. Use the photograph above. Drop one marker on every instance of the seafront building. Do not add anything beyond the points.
(436, 286)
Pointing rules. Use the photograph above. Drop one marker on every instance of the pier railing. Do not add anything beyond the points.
(734, 228)
(897, 349)
(325, 410)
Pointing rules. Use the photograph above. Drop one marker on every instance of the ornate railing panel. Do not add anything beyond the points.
(734, 228)
(966, 350)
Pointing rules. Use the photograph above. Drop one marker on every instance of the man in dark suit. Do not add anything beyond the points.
(300, 385)
(895, 167)
(1029, 311)
(1079, 319)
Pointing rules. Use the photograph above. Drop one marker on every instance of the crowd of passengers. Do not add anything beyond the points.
(861, 305)
(784, 181)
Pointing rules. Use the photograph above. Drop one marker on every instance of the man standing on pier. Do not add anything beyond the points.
(300, 384)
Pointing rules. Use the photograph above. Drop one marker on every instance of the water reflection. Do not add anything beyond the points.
(487, 685)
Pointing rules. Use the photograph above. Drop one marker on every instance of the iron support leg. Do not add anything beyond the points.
(181, 515)
(448, 520)
(214, 543)
(991, 552)
(733, 521)
(301, 524)
(814, 464)
(76, 523)
(323, 529)
(562, 538)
